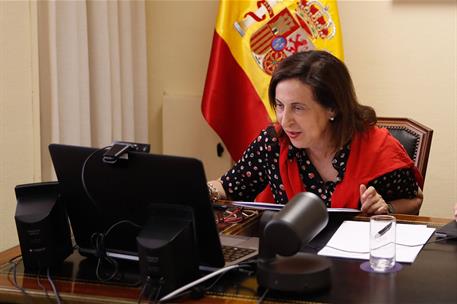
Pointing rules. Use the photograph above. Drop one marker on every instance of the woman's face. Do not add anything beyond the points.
(305, 121)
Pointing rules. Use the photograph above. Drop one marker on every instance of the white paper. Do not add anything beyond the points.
(277, 207)
(260, 206)
(354, 236)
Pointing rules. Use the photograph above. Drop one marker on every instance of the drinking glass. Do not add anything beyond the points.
(382, 242)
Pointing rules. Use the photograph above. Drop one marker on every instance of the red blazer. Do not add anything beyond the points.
(373, 153)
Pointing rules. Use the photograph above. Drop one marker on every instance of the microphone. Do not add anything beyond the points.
(281, 266)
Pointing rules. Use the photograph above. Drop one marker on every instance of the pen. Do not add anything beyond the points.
(383, 230)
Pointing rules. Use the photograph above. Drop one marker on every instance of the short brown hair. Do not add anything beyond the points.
(332, 87)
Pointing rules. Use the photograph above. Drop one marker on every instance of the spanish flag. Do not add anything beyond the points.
(250, 39)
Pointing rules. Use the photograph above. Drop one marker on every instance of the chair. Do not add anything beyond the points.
(414, 136)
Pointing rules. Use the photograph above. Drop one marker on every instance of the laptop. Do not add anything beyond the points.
(98, 194)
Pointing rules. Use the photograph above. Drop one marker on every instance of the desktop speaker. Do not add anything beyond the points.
(42, 225)
(167, 249)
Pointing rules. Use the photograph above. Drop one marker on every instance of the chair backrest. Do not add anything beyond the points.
(414, 136)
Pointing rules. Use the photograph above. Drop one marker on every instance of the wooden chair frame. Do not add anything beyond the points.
(422, 133)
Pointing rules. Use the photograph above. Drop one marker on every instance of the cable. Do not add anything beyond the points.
(215, 282)
(400, 244)
(143, 289)
(98, 240)
(429, 242)
(154, 292)
(14, 270)
(198, 281)
(39, 282)
(56, 292)
(14, 258)
(118, 223)
(260, 300)
(83, 178)
(199, 292)
(157, 291)
(248, 272)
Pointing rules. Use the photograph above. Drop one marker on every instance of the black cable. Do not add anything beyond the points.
(83, 177)
(14, 258)
(101, 254)
(98, 240)
(54, 288)
(118, 223)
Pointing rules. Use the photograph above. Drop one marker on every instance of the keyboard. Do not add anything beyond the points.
(232, 253)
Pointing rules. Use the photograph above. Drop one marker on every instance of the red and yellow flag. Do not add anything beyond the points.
(250, 39)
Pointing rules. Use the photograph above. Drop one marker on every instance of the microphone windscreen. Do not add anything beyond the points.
(301, 219)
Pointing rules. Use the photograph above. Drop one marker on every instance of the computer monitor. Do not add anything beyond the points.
(125, 190)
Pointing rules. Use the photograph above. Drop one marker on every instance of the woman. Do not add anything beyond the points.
(325, 142)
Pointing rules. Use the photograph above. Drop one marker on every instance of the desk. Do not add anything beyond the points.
(432, 278)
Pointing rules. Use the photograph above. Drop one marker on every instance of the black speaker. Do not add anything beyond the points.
(42, 225)
(167, 248)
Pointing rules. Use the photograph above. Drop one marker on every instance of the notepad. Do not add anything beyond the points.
(353, 237)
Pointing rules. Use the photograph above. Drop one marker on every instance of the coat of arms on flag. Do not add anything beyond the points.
(286, 33)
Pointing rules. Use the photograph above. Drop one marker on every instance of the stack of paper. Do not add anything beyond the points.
(351, 240)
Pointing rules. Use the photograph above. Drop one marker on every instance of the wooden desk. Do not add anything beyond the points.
(431, 278)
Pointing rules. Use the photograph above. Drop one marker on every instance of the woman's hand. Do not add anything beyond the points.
(372, 202)
(216, 191)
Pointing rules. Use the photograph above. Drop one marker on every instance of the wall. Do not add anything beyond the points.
(179, 44)
(19, 109)
(401, 53)
(403, 59)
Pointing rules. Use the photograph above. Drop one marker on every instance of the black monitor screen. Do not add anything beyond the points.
(98, 194)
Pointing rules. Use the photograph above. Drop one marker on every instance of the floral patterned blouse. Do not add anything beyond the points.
(259, 166)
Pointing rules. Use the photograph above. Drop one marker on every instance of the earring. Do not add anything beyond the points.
(332, 118)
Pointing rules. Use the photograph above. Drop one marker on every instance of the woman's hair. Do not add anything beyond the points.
(332, 87)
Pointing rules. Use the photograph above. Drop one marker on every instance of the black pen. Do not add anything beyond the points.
(383, 230)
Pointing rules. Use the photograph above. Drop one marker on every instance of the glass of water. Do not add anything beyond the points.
(382, 242)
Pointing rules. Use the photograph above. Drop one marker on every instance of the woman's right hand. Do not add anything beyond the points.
(216, 191)
(372, 202)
